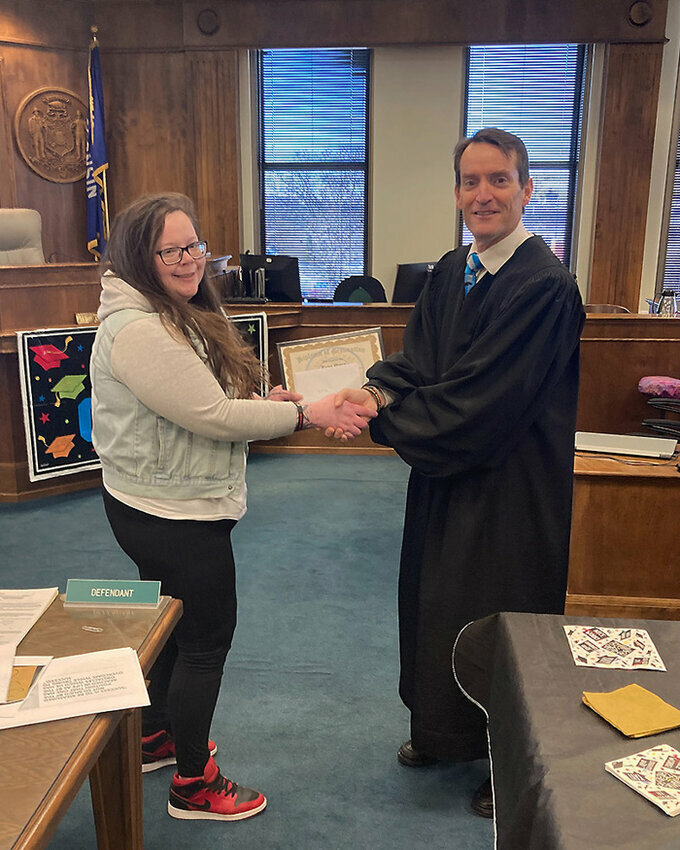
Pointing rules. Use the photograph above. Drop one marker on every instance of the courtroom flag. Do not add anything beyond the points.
(97, 163)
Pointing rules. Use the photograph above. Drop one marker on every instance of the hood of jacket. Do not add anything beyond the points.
(118, 295)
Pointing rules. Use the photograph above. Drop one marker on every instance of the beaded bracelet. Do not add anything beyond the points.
(300, 417)
(377, 395)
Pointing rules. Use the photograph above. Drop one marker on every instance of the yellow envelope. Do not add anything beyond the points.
(634, 710)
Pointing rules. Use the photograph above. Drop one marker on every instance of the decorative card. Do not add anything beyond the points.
(653, 773)
(614, 649)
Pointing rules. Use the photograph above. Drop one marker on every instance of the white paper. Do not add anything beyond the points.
(314, 384)
(82, 684)
(21, 609)
(7, 651)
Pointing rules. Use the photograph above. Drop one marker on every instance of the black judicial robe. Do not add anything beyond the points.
(485, 414)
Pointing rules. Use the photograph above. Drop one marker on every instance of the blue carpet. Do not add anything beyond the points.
(309, 712)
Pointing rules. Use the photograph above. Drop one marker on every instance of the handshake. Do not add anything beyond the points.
(341, 416)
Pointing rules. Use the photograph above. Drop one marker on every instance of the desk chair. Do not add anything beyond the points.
(605, 308)
(362, 289)
(20, 238)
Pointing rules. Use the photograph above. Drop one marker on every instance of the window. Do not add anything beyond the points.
(671, 271)
(313, 162)
(536, 92)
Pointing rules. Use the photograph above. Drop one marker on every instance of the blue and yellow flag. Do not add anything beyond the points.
(97, 162)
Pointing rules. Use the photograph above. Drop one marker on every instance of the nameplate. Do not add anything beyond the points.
(94, 592)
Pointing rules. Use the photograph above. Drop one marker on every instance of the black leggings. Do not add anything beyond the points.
(194, 562)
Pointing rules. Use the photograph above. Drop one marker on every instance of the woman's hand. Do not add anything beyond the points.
(339, 418)
(278, 393)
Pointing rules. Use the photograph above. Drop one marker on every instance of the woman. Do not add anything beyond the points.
(173, 407)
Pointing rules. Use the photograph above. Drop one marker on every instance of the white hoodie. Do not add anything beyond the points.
(150, 373)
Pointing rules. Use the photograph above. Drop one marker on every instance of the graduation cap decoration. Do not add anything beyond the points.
(60, 446)
(49, 356)
(70, 386)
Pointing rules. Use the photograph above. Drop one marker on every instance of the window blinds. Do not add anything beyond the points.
(536, 92)
(313, 161)
(671, 274)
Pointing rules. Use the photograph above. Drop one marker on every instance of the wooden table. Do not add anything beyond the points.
(624, 559)
(43, 766)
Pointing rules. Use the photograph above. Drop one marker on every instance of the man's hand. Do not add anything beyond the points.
(341, 419)
(355, 396)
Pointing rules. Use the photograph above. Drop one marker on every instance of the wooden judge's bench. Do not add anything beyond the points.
(624, 560)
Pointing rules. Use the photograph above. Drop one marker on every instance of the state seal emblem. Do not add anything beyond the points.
(50, 127)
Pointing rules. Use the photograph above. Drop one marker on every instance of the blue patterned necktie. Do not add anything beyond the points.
(474, 265)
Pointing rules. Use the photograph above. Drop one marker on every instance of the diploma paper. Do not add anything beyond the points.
(343, 357)
(615, 649)
(317, 383)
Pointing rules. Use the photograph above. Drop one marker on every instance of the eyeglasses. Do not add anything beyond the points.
(172, 256)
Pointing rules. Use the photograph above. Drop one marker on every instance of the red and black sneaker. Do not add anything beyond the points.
(212, 797)
(158, 750)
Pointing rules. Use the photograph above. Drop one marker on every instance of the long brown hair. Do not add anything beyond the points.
(130, 255)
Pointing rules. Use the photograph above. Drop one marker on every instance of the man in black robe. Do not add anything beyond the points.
(481, 404)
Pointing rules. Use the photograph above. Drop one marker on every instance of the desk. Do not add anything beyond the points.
(624, 556)
(42, 766)
(616, 351)
(548, 750)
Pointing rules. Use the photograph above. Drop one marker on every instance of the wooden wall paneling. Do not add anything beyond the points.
(62, 25)
(321, 23)
(11, 425)
(138, 26)
(623, 558)
(630, 105)
(62, 206)
(149, 127)
(8, 189)
(46, 296)
(213, 105)
(609, 401)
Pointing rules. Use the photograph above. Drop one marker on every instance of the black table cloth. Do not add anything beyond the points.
(548, 750)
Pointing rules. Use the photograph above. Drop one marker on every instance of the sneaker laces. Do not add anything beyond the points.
(221, 785)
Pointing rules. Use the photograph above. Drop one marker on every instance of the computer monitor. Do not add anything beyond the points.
(281, 276)
(410, 280)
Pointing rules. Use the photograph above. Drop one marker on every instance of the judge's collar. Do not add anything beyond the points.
(498, 254)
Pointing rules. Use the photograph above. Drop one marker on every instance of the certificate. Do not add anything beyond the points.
(325, 364)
